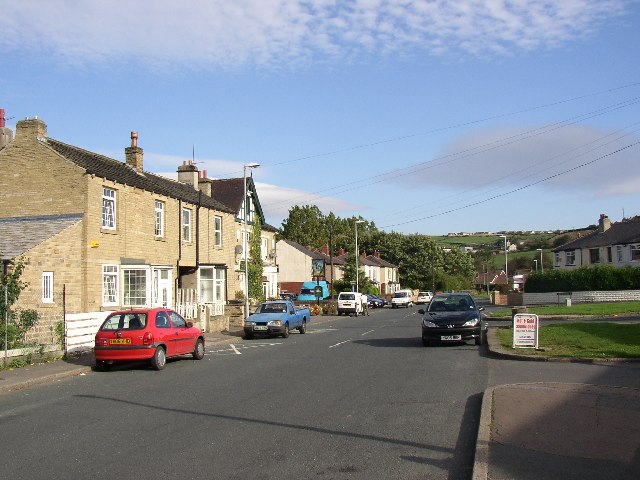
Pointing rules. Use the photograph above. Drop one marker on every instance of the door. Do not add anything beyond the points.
(162, 291)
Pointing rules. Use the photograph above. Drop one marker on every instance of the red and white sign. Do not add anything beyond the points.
(525, 330)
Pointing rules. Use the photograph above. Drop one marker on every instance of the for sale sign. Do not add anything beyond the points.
(525, 330)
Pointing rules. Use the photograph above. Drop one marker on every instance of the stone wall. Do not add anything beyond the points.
(555, 298)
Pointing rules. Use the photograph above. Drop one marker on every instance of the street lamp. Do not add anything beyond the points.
(245, 206)
(506, 273)
(536, 262)
(357, 253)
(541, 265)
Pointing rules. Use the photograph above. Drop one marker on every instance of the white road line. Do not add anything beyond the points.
(233, 347)
(346, 341)
(363, 334)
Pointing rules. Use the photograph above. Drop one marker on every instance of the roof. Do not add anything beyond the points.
(619, 233)
(312, 253)
(123, 173)
(20, 234)
(230, 192)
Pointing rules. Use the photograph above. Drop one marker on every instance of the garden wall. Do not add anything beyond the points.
(555, 298)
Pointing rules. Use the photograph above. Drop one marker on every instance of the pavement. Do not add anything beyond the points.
(527, 431)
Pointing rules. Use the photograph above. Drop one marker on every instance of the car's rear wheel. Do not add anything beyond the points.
(248, 336)
(159, 359)
(303, 327)
(198, 351)
(102, 366)
(285, 333)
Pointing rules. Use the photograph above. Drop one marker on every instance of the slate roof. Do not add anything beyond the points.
(229, 192)
(619, 233)
(20, 234)
(123, 173)
(313, 254)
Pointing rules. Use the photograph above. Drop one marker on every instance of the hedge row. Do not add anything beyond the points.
(584, 279)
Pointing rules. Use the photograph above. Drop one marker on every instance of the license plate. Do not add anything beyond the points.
(259, 327)
(119, 341)
(451, 337)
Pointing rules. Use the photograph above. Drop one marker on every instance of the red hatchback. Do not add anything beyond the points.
(146, 334)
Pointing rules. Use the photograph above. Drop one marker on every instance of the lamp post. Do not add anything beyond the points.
(541, 265)
(536, 262)
(245, 206)
(506, 272)
(357, 253)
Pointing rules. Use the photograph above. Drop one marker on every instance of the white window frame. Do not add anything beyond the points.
(212, 287)
(570, 257)
(217, 231)
(634, 252)
(619, 253)
(186, 224)
(110, 273)
(264, 247)
(159, 213)
(47, 287)
(131, 272)
(108, 208)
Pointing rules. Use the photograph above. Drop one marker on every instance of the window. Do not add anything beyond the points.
(159, 219)
(217, 226)
(557, 258)
(609, 255)
(264, 247)
(177, 320)
(635, 252)
(212, 284)
(47, 287)
(109, 285)
(162, 321)
(186, 225)
(570, 256)
(619, 253)
(134, 287)
(594, 255)
(108, 208)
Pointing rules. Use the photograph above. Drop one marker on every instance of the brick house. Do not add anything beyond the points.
(616, 244)
(137, 238)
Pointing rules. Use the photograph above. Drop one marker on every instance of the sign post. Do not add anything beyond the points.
(525, 330)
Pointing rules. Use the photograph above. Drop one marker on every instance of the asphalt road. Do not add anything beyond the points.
(356, 398)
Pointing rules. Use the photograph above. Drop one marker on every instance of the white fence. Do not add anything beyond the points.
(80, 330)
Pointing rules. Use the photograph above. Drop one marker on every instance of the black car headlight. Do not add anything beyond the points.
(472, 323)
(428, 324)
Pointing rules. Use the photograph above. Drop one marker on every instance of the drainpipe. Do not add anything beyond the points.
(5, 270)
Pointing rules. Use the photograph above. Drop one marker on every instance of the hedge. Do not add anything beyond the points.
(584, 279)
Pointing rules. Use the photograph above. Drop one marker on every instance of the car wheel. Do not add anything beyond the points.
(198, 351)
(159, 359)
(425, 342)
(303, 327)
(285, 334)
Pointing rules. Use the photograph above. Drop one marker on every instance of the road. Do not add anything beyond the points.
(354, 398)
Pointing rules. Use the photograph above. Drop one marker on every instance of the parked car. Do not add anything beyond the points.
(453, 317)
(375, 302)
(288, 296)
(277, 317)
(424, 297)
(146, 334)
(402, 298)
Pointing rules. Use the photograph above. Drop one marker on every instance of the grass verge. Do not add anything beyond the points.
(581, 340)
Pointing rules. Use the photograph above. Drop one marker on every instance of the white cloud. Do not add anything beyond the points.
(574, 158)
(213, 33)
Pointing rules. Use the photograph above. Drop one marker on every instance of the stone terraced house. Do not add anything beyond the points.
(101, 234)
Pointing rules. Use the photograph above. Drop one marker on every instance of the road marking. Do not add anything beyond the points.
(363, 334)
(346, 341)
(235, 350)
(322, 330)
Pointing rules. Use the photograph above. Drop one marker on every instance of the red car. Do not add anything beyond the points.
(146, 334)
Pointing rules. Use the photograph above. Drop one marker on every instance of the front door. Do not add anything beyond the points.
(162, 291)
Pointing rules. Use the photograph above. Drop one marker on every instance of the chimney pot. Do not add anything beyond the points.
(134, 139)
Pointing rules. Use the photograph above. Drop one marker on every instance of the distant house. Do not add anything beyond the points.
(616, 244)
(490, 280)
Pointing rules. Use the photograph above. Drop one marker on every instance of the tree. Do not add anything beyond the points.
(18, 321)
(306, 226)
(255, 266)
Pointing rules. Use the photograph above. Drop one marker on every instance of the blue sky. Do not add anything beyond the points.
(421, 116)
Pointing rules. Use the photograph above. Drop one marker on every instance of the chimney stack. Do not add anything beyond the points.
(6, 135)
(134, 153)
(604, 223)
(188, 173)
(31, 129)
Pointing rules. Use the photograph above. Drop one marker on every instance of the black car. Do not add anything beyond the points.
(375, 302)
(452, 317)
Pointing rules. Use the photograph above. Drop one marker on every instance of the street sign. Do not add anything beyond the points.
(525, 330)
(318, 291)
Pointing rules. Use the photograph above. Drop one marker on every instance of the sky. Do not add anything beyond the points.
(428, 117)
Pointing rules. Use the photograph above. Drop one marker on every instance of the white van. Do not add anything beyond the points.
(349, 303)
(402, 298)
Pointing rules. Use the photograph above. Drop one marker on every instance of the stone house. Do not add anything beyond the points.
(616, 244)
(135, 238)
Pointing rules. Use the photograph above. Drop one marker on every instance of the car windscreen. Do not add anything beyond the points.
(125, 321)
(347, 296)
(400, 295)
(273, 308)
(452, 303)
